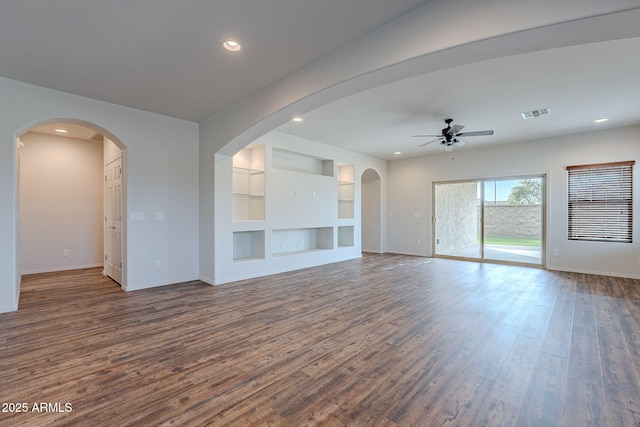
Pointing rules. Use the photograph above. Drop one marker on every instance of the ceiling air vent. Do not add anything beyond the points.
(536, 113)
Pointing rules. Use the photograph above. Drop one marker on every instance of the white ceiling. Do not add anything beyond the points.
(166, 57)
(579, 84)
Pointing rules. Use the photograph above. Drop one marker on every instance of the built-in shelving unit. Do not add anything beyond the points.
(248, 245)
(283, 203)
(299, 240)
(345, 191)
(249, 184)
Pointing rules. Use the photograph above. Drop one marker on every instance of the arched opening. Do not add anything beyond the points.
(371, 197)
(70, 187)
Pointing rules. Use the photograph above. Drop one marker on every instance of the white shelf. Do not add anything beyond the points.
(256, 196)
(247, 171)
(295, 241)
(300, 252)
(249, 184)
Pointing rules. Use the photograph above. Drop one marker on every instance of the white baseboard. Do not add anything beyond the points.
(139, 287)
(207, 280)
(595, 273)
(53, 270)
(8, 308)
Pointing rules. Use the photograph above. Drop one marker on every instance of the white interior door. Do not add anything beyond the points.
(113, 220)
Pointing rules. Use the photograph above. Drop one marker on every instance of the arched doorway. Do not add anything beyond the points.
(69, 215)
(371, 206)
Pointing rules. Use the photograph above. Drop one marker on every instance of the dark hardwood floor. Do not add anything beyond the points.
(386, 340)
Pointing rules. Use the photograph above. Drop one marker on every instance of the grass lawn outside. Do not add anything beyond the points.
(511, 241)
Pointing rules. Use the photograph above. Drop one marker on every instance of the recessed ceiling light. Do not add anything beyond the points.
(62, 130)
(397, 153)
(602, 120)
(297, 119)
(232, 45)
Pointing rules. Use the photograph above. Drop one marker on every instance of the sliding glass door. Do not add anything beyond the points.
(457, 214)
(498, 220)
(513, 220)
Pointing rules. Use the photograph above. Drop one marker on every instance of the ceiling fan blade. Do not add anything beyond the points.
(429, 142)
(455, 129)
(426, 136)
(477, 133)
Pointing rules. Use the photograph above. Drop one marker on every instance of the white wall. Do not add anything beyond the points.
(313, 205)
(410, 192)
(61, 203)
(161, 176)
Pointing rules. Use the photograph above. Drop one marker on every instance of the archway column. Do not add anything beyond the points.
(372, 212)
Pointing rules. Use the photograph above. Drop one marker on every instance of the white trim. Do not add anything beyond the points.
(207, 280)
(53, 270)
(141, 286)
(8, 308)
(595, 273)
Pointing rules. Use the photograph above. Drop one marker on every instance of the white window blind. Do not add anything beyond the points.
(600, 202)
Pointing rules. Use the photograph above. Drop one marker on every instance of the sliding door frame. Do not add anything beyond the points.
(482, 181)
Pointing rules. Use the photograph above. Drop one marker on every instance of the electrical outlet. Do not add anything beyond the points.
(65, 253)
(418, 242)
(156, 263)
(556, 252)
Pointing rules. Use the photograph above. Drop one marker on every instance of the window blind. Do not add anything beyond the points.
(601, 202)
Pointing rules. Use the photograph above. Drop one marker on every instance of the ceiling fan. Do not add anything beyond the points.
(449, 136)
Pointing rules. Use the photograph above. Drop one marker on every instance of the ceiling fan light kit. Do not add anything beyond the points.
(449, 136)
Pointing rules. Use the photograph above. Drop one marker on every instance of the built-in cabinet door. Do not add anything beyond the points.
(113, 220)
